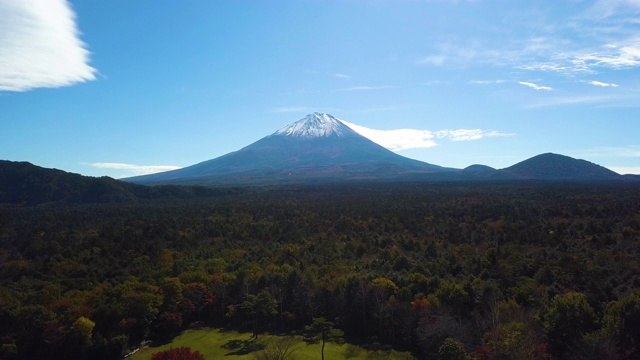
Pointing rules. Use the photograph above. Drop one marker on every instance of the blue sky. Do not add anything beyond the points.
(121, 87)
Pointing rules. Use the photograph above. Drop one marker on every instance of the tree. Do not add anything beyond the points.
(84, 328)
(620, 323)
(452, 349)
(322, 330)
(569, 317)
(382, 288)
(258, 308)
(181, 353)
(281, 350)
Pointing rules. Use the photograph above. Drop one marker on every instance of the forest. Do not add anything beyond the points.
(497, 270)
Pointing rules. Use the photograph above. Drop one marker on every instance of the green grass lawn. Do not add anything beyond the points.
(217, 344)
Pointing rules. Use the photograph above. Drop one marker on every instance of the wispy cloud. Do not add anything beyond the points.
(134, 169)
(403, 139)
(615, 151)
(342, 76)
(469, 134)
(602, 37)
(436, 60)
(599, 100)
(435, 82)
(534, 86)
(40, 46)
(602, 84)
(487, 82)
(358, 88)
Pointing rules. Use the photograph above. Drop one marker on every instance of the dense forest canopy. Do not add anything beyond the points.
(505, 270)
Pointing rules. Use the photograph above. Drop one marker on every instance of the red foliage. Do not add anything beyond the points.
(181, 353)
(482, 352)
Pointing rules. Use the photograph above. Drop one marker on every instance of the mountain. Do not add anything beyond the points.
(23, 183)
(551, 166)
(478, 169)
(318, 147)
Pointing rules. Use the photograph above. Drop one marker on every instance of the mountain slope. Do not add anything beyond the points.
(551, 166)
(317, 147)
(27, 184)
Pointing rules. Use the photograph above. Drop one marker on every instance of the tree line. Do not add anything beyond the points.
(510, 270)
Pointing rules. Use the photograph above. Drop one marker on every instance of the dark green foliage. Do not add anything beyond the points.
(322, 331)
(569, 318)
(452, 349)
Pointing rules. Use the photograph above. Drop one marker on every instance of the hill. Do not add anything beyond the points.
(28, 184)
(551, 166)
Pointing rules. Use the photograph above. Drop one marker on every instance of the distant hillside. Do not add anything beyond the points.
(477, 168)
(28, 184)
(551, 166)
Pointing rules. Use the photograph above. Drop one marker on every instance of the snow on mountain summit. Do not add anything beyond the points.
(316, 125)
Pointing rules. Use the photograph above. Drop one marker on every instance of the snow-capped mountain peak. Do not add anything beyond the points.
(316, 125)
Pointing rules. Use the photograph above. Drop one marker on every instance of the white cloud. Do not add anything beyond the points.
(135, 169)
(398, 139)
(613, 56)
(40, 47)
(604, 36)
(534, 86)
(623, 170)
(380, 87)
(599, 83)
(403, 139)
(469, 134)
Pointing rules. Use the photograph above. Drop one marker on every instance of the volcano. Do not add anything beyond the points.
(318, 147)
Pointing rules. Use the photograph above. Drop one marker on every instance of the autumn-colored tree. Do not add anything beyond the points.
(181, 353)
(84, 328)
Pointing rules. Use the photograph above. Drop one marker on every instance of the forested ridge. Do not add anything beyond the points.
(505, 270)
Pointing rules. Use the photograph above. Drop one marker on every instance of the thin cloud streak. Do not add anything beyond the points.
(602, 84)
(135, 169)
(404, 139)
(486, 82)
(358, 88)
(469, 134)
(40, 46)
(342, 76)
(622, 151)
(570, 101)
(535, 86)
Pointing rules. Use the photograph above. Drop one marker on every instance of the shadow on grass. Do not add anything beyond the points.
(243, 347)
